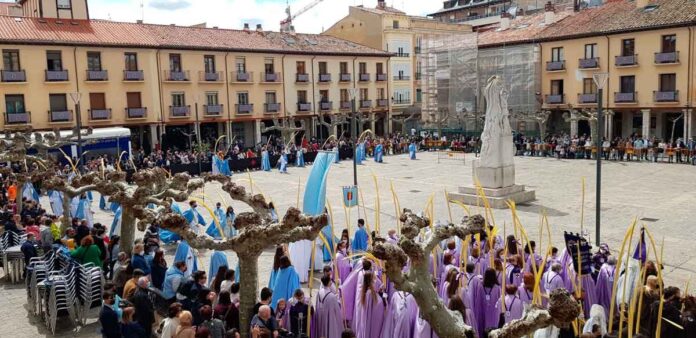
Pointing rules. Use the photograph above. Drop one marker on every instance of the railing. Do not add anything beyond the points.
(381, 77)
(418, 76)
(176, 76)
(213, 110)
(401, 101)
(666, 96)
(59, 116)
(244, 108)
(18, 118)
(97, 75)
(136, 112)
(476, 17)
(344, 77)
(628, 60)
(364, 77)
(402, 77)
(179, 111)
(590, 63)
(270, 77)
(587, 98)
(99, 114)
(382, 103)
(324, 77)
(204, 76)
(624, 97)
(555, 65)
(346, 105)
(668, 57)
(271, 107)
(56, 75)
(242, 77)
(133, 75)
(304, 107)
(302, 77)
(555, 98)
(365, 104)
(13, 75)
(325, 105)
(402, 55)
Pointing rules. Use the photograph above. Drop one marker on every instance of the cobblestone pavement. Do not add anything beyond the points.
(661, 194)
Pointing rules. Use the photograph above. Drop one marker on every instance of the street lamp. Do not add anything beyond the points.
(75, 97)
(352, 92)
(600, 80)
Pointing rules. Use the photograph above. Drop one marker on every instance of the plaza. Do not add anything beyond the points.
(657, 194)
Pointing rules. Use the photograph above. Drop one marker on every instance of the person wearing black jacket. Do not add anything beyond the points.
(144, 309)
(670, 313)
(108, 317)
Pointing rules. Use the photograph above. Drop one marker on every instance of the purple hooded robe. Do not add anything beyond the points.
(423, 329)
(401, 316)
(605, 282)
(343, 265)
(327, 319)
(485, 306)
(369, 315)
(513, 308)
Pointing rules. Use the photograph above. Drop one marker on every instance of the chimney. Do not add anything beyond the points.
(504, 21)
(549, 13)
(259, 28)
(140, 22)
(642, 3)
(381, 4)
(246, 27)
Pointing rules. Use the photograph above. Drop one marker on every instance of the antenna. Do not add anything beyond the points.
(142, 10)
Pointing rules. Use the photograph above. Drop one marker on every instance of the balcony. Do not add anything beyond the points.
(60, 116)
(587, 98)
(179, 111)
(418, 76)
(242, 77)
(591, 63)
(270, 77)
(13, 75)
(555, 99)
(244, 108)
(343, 77)
(365, 104)
(666, 96)
(136, 112)
(304, 107)
(402, 55)
(56, 75)
(626, 61)
(97, 75)
(401, 101)
(179, 76)
(667, 58)
(346, 105)
(325, 105)
(213, 110)
(324, 78)
(270, 108)
(382, 103)
(554, 66)
(364, 77)
(209, 76)
(133, 75)
(381, 77)
(302, 78)
(624, 97)
(417, 50)
(402, 78)
(18, 118)
(99, 114)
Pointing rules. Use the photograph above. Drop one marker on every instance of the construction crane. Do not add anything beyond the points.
(286, 25)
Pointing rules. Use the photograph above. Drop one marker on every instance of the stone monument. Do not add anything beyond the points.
(495, 168)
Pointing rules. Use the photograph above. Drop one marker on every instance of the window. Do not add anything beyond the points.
(668, 82)
(94, 61)
(54, 60)
(324, 95)
(271, 97)
(301, 67)
(395, 24)
(362, 66)
(344, 95)
(419, 95)
(133, 100)
(240, 65)
(588, 86)
(10, 60)
(627, 84)
(380, 93)
(363, 94)
(14, 104)
(175, 62)
(556, 87)
(178, 100)
(669, 43)
(591, 51)
(269, 67)
(400, 51)
(557, 54)
(380, 68)
(628, 47)
(211, 98)
(243, 98)
(344, 67)
(64, 4)
(209, 63)
(131, 61)
(323, 68)
(58, 102)
(301, 96)
(97, 101)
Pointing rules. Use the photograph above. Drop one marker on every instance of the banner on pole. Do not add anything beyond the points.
(350, 196)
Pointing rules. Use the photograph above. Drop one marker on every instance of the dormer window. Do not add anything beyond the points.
(64, 4)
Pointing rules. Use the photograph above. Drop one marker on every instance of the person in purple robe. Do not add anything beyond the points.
(452, 250)
(450, 287)
(513, 304)
(605, 282)
(369, 309)
(526, 289)
(456, 304)
(342, 261)
(422, 328)
(531, 258)
(468, 282)
(478, 260)
(351, 286)
(484, 299)
(513, 270)
(327, 319)
(401, 316)
(392, 238)
(447, 267)
(552, 279)
(499, 270)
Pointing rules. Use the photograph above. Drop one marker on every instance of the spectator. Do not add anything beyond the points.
(298, 312)
(14, 225)
(129, 328)
(46, 236)
(191, 289)
(108, 317)
(171, 323)
(172, 280)
(82, 231)
(87, 252)
(214, 325)
(144, 309)
(138, 259)
(28, 249)
(120, 275)
(113, 250)
(227, 311)
(185, 329)
(158, 269)
(131, 285)
(226, 284)
(264, 323)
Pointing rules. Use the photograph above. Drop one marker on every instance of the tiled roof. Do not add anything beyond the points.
(385, 10)
(5, 7)
(623, 16)
(523, 29)
(462, 4)
(122, 34)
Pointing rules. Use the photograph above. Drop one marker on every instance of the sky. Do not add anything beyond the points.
(234, 13)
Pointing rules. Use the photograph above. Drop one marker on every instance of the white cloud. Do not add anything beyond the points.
(234, 13)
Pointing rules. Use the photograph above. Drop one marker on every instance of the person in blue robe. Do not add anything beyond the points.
(193, 217)
(360, 239)
(358, 154)
(299, 162)
(212, 230)
(337, 159)
(412, 150)
(330, 239)
(221, 165)
(113, 205)
(229, 223)
(283, 163)
(167, 236)
(116, 223)
(184, 253)
(90, 198)
(363, 151)
(56, 199)
(102, 202)
(286, 282)
(217, 260)
(379, 149)
(274, 213)
(265, 160)
(84, 212)
(29, 192)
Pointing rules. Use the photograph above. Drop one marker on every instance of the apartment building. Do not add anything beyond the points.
(487, 12)
(170, 83)
(387, 28)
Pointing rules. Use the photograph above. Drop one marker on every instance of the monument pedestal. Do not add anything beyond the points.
(498, 185)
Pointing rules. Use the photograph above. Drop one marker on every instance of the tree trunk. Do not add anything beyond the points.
(67, 215)
(249, 284)
(18, 199)
(127, 230)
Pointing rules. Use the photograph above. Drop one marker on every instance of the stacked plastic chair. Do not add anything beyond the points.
(12, 257)
(60, 289)
(37, 271)
(90, 283)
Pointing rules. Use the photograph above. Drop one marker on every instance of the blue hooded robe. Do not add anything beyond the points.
(116, 223)
(29, 192)
(283, 163)
(378, 153)
(212, 230)
(229, 225)
(265, 161)
(360, 240)
(217, 260)
(286, 282)
(358, 154)
(184, 253)
(167, 236)
(412, 151)
(84, 212)
(300, 158)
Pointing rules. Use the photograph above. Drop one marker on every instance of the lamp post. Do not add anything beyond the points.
(76, 97)
(354, 134)
(600, 80)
